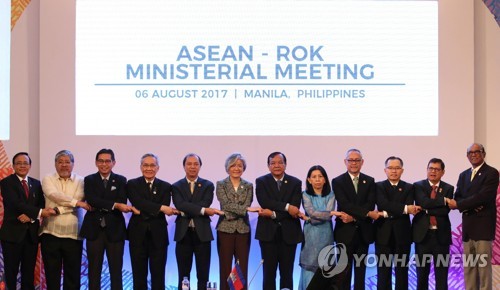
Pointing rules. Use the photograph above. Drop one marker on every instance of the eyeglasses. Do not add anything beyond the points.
(147, 165)
(354, 160)
(104, 161)
(475, 152)
(21, 164)
(434, 169)
(394, 168)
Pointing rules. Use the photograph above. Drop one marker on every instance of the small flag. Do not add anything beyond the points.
(236, 280)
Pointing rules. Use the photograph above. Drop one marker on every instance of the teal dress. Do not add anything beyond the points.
(318, 233)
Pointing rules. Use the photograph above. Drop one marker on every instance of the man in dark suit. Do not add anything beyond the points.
(393, 232)
(24, 204)
(104, 226)
(193, 196)
(356, 196)
(147, 229)
(278, 227)
(475, 198)
(432, 227)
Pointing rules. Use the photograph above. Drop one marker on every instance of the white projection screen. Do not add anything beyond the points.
(398, 91)
(299, 64)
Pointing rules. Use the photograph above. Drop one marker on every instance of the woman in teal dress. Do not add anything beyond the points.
(319, 203)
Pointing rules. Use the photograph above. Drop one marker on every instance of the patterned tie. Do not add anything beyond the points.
(355, 181)
(432, 218)
(26, 189)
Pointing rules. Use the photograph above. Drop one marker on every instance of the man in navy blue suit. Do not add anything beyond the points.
(432, 227)
(278, 226)
(475, 198)
(104, 226)
(192, 196)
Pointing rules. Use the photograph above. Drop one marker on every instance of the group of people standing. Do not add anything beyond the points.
(366, 212)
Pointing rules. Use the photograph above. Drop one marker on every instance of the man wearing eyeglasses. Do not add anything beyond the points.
(356, 196)
(432, 227)
(24, 204)
(104, 226)
(147, 230)
(475, 198)
(393, 232)
(278, 226)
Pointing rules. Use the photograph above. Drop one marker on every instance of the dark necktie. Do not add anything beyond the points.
(278, 182)
(26, 189)
(432, 218)
(105, 182)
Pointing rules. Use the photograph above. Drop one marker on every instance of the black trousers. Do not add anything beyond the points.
(95, 256)
(389, 255)
(431, 247)
(356, 247)
(277, 253)
(20, 254)
(142, 255)
(58, 253)
(184, 250)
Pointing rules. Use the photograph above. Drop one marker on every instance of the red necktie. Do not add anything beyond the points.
(433, 196)
(26, 189)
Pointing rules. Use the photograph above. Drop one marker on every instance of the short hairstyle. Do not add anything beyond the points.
(19, 154)
(393, 158)
(272, 155)
(436, 160)
(478, 144)
(326, 187)
(65, 153)
(191, 155)
(105, 151)
(353, 150)
(231, 160)
(157, 159)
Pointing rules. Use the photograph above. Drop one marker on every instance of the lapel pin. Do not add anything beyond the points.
(364, 181)
(199, 184)
(479, 174)
(286, 181)
(400, 189)
(440, 190)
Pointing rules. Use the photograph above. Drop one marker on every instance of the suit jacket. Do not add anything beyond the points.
(268, 196)
(435, 207)
(190, 205)
(149, 204)
(234, 204)
(481, 191)
(15, 203)
(355, 204)
(393, 200)
(101, 200)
